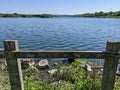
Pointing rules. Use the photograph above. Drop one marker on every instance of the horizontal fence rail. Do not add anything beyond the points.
(12, 54)
(61, 54)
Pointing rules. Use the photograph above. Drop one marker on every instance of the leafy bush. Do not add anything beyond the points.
(80, 79)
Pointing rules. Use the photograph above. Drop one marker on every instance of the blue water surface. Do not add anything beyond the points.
(60, 33)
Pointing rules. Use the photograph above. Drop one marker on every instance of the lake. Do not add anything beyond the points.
(60, 33)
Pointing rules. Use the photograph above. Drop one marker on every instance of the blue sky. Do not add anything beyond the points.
(58, 6)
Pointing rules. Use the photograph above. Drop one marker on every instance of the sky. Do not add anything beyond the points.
(58, 6)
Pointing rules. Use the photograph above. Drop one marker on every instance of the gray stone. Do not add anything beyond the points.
(56, 64)
(53, 71)
(87, 68)
(43, 64)
(1, 49)
(118, 69)
(27, 62)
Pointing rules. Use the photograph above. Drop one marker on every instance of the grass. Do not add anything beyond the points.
(72, 77)
(4, 80)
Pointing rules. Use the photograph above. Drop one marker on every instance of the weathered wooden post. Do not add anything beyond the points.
(13, 65)
(110, 65)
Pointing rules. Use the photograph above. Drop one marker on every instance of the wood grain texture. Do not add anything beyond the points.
(110, 65)
(13, 65)
(61, 54)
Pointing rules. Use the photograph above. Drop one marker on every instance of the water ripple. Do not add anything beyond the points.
(60, 33)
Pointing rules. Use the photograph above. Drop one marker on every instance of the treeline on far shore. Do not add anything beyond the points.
(26, 15)
(100, 14)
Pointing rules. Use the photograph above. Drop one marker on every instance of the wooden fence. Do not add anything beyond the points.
(12, 54)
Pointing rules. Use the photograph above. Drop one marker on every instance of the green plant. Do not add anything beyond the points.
(72, 77)
(79, 78)
(4, 80)
(29, 84)
(117, 83)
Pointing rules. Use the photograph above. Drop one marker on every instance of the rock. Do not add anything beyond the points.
(118, 69)
(55, 84)
(99, 72)
(43, 64)
(3, 65)
(26, 63)
(1, 49)
(53, 71)
(87, 68)
(56, 64)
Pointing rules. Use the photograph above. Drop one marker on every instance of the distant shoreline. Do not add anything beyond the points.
(100, 14)
(65, 17)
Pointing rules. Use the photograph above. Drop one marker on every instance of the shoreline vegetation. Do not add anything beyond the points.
(101, 14)
(58, 75)
(16, 15)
